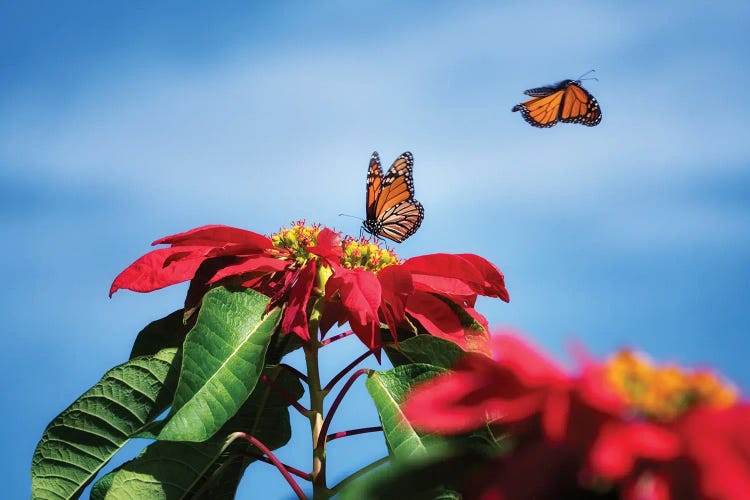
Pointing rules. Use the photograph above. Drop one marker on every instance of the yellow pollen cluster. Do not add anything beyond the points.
(664, 393)
(296, 239)
(362, 253)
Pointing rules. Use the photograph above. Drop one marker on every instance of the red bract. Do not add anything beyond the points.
(212, 255)
(438, 291)
(707, 450)
(188, 250)
(357, 281)
(518, 385)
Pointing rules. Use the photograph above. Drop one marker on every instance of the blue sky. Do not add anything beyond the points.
(121, 124)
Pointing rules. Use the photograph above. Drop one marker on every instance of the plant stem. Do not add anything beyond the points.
(292, 470)
(346, 370)
(284, 472)
(335, 338)
(352, 432)
(285, 394)
(318, 474)
(321, 442)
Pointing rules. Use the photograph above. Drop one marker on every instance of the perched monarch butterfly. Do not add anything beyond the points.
(565, 101)
(392, 211)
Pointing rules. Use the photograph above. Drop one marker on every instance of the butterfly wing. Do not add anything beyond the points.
(374, 185)
(565, 101)
(541, 111)
(579, 106)
(401, 220)
(392, 211)
(398, 184)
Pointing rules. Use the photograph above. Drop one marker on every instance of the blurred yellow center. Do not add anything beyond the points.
(664, 393)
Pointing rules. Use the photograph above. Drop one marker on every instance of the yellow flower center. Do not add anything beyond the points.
(296, 239)
(357, 253)
(664, 392)
(362, 253)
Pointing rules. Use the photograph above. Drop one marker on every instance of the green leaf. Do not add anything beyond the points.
(168, 331)
(388, 390)
(172, 470)
(424, 349)
(223, 356)
(439, 476)
(79, 441)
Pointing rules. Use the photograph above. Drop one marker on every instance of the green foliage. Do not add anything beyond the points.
(211, 386)
(388, 390)
(211, 469)
(90, 431)
(168, 331)
(223, 356)
(437, 476)
(424, 349)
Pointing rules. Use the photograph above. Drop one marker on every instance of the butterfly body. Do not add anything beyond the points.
(566, 101)
(391, 210)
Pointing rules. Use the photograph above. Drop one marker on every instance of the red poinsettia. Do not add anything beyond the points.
(349, 280)
(648, 432)
(519, 384)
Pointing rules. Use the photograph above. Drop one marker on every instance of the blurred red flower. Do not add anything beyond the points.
(625, 425)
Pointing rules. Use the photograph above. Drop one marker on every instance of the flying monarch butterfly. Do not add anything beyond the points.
(392, 211)
(565, 101)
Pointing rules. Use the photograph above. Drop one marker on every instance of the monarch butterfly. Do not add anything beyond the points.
(565, 101)
(392, 211)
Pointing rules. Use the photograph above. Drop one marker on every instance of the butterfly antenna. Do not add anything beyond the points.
(352, 216)
(581, 78)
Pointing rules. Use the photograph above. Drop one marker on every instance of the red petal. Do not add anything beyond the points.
(359, 290)
(718, 442)
(259, 264)
(460, 275)
(328, 247)
(533, 367)
(476, 391)
(160, 268)
(295, 316)
(436, 317)
(494, 281)
(396, 286)
(333, 313)
(217, 235)
(619, 445)
(556, 414)
(368, 333)
(478, 340)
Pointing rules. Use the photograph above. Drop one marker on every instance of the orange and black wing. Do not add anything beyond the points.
(374, 184)
(579, 106)
(401, 221)
(391, 209)
(396, 186)
(566, 101)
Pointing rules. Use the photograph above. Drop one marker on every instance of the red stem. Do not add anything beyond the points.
(294, 372)
(289, 398)
(335, 338)
(293, 470)
(336, 403)
(352, 432)
(346, 370)
(275, 461)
